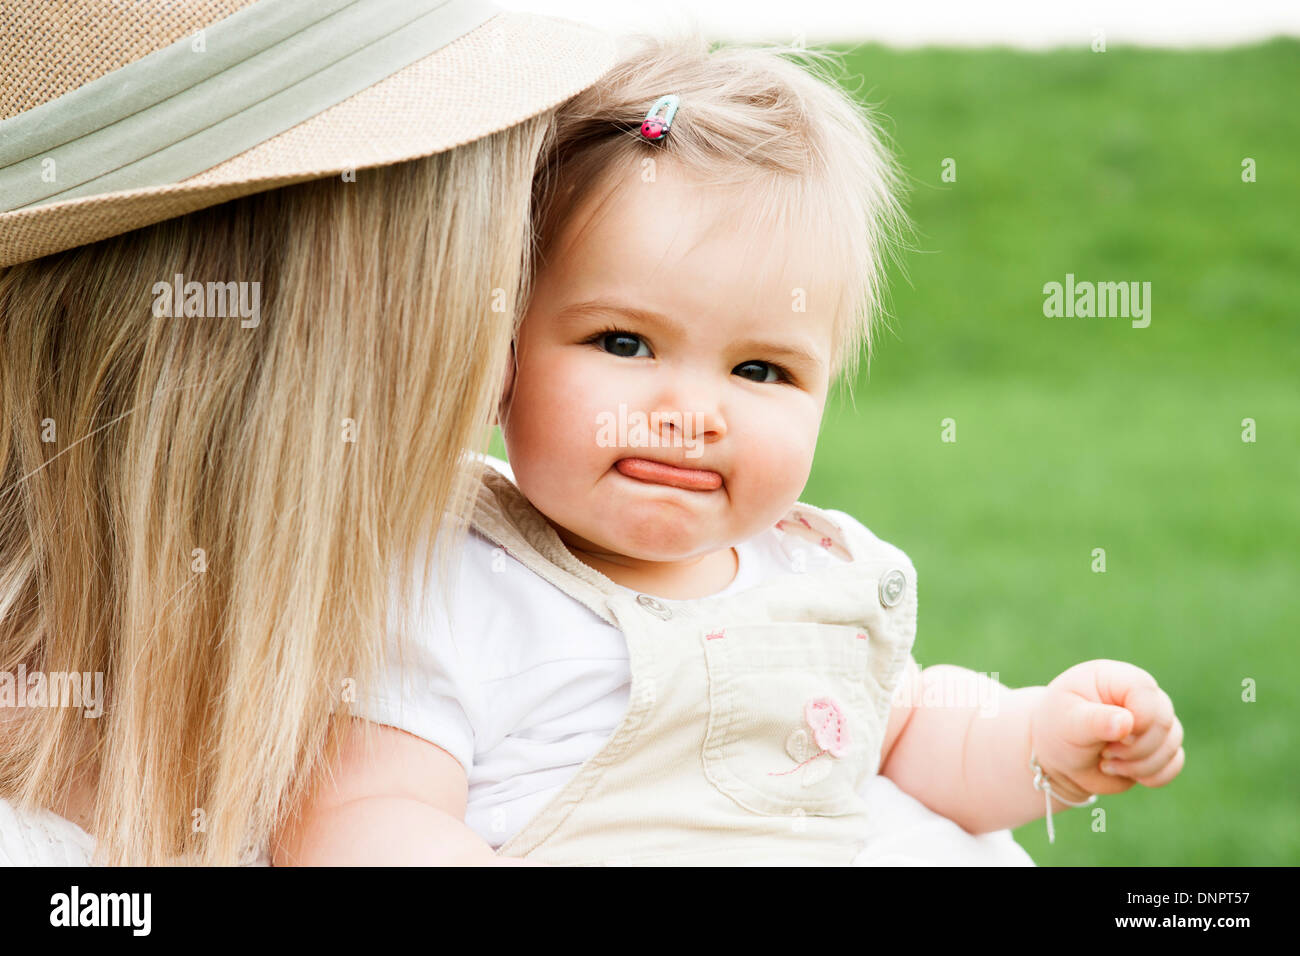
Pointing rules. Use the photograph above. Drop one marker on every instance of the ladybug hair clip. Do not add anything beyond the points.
(655, 127)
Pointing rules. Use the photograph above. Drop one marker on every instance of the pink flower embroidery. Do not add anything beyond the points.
(830, 729)
(830, 732)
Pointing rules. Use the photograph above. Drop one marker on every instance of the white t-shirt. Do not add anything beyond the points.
(523, 683)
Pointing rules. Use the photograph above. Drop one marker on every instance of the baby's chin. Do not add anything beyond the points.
(658, 548)
(654, 526)
(649, 539)
(620, 521)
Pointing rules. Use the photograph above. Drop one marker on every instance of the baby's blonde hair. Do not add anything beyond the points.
(750, 116)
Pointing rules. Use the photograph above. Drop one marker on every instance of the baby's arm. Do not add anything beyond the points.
(981, 784)
(971, 763)
(400, 804)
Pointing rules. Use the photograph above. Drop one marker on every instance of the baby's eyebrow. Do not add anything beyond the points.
(790, 351)
(793, 354)
(593, 306)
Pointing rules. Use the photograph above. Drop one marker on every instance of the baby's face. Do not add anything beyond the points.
(709, 336)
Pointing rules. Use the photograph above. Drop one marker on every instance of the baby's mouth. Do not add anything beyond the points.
(659, 473)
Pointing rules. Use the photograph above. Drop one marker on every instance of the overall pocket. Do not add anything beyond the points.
(794, 715)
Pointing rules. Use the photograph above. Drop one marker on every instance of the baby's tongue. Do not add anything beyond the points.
(692, 479)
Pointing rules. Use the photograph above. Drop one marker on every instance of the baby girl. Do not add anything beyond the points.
(651, 651)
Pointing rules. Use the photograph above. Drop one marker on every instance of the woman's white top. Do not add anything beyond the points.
(41, 838)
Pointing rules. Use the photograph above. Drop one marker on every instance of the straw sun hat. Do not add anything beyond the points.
(116, 115)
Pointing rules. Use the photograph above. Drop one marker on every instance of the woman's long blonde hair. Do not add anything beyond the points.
(201, 529)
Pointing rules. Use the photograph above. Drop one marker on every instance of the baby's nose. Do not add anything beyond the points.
(692, 425)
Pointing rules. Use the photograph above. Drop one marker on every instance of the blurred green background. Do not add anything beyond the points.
(1083, 433)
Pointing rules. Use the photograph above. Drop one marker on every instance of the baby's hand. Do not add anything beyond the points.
(1107, 714)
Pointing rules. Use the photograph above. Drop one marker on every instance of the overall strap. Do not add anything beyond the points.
(503, 515)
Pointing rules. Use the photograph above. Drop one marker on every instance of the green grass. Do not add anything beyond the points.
(1075, 434)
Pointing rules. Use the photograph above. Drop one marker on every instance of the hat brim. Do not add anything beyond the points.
(512, 67)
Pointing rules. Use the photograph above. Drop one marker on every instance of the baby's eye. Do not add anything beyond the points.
(762, 368)
(622, 344)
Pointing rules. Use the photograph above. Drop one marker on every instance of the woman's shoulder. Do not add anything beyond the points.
(41, 838)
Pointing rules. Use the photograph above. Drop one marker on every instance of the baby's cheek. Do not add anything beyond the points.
(772, 474)
(552, 388)
(784, 436)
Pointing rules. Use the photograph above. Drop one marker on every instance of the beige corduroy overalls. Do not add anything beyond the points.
(753, 719)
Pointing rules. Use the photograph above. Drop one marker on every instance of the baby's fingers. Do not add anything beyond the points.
(1144, 745)
(1151, 766)
(1171, 770)
(1153, 722)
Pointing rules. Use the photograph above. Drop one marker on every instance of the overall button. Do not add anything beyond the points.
(892, 586)
(654, 606)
